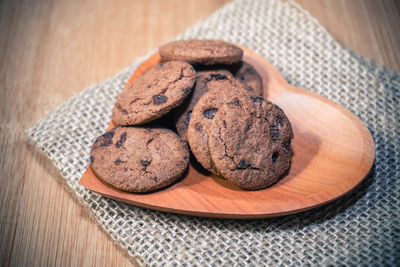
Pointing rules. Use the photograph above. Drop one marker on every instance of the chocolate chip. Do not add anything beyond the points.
(121, 140)
(91, 159)
(216, 76)
(243, 164)
(210, 113)
(249, 70)
(159, 99)
(219, 76)
(117, 161)
(149, 86)
(149, 129)
(145, 163)
(286, 146)
(186, 91)
(155, 179)
(235, 102)
(240, 76)
(257, 99)
(249, 88)
(275, 156)
(160, 65)
(188, 116)
(106, 142)
(108, 135)
(186, 158)
(107, 138)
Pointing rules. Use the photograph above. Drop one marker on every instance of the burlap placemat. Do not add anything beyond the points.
(361, 228)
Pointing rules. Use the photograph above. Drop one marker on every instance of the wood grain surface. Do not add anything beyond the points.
(52, 49)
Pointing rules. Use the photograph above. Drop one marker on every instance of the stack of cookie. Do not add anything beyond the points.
(217, 108)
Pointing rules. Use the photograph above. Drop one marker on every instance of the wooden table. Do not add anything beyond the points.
(52, 49)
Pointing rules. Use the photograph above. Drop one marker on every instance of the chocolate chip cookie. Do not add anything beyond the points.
(249, 76)
(139, 159)
(154, 94)
(183, 112)
(204, 52)
(220, 91)
(249, 141)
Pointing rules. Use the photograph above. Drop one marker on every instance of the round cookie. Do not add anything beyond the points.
(183, 112)
(245, 73)
(139, 159)
(204, 52)
(220, 91)
(154, 94)
(249, 142)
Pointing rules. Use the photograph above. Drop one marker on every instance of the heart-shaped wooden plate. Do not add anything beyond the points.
(333, 152)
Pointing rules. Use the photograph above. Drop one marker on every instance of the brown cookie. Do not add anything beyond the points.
(139, 159)
(183, 112)
(203, 113)
(154, 94)
(205, 52)
(248, 75)
(249, 142)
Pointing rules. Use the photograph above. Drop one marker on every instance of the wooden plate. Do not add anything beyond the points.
(333, 152)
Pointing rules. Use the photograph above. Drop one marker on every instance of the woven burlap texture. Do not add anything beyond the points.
(361, 228)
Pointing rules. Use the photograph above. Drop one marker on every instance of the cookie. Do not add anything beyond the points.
(249, 142)
(183, 112)
(203, 113)
(204, 52)
(154, 94)
(248, 75)
(139, 159)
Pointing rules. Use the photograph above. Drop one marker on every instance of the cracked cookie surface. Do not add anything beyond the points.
(183, 112)
(139, 159)
(155, 93)
(249, 142)
(203, 113)
(204, 52)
